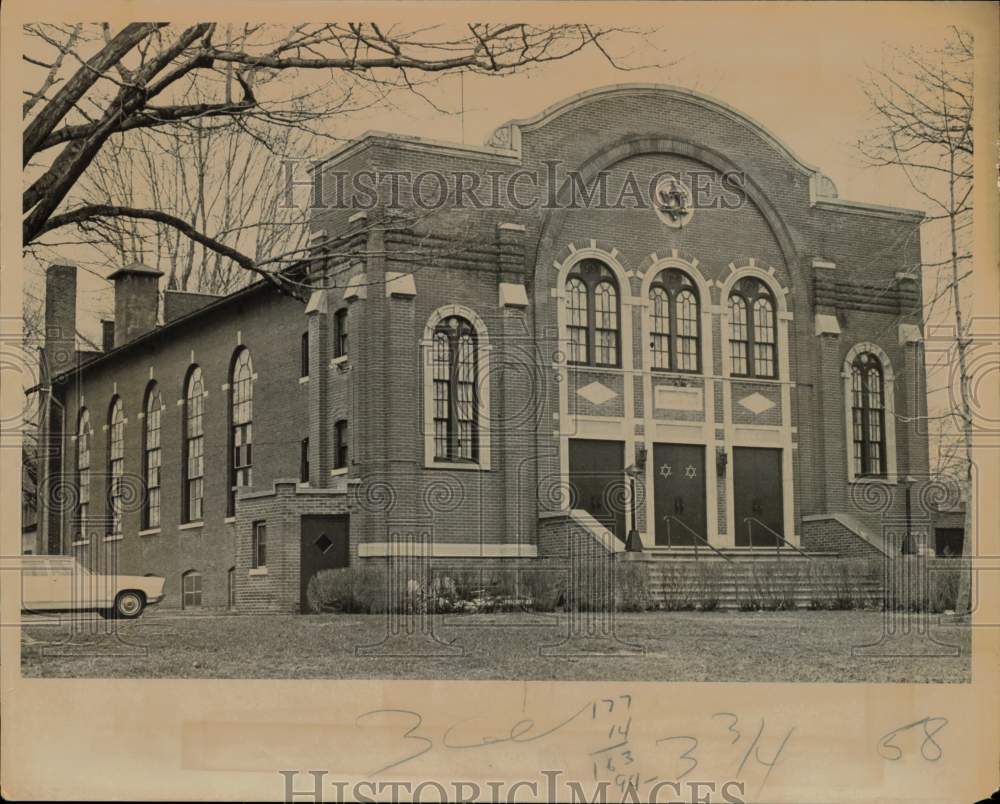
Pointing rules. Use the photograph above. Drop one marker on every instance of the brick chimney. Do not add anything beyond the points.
(136, 301)
(60, 318)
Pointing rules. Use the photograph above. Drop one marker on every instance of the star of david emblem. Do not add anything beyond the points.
(665, 470)
(691, 471)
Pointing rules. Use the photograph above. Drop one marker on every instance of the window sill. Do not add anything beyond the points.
(117, 538)
(339, 472)
(747, 378)
(191, 525)
(886, 481)
(303, 380)
(230, 520)
(466, 467)
(149, 532)
(80, 543)
(592, 367)
(667, 372)
(257, 571)
(338, 361)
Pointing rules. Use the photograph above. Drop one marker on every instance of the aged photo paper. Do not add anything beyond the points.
(499, 402)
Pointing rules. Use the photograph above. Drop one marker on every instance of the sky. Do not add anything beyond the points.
(794, 68)
(797, 69)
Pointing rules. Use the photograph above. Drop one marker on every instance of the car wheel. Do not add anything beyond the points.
(129, 605)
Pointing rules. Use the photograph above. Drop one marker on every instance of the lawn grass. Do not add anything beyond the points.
(813, 646)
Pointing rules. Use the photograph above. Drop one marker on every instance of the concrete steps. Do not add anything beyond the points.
(751, 578)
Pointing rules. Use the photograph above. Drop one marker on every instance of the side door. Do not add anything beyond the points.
(326, 544)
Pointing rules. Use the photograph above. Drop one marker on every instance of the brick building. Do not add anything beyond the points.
(746, 342)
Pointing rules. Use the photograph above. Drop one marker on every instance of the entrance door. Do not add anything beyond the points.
(325, 545)
(679, 494)
(757, 505)
(597, 477)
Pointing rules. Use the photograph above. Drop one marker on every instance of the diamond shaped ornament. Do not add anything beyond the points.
(597, 393)
(756, 403)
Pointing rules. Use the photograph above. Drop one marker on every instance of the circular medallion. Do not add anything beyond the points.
(672, 202)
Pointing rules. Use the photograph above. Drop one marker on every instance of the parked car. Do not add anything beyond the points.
(61, 583)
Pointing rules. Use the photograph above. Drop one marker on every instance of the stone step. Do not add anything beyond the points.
(733, 554)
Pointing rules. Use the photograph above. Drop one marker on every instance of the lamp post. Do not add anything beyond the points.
(633, 543)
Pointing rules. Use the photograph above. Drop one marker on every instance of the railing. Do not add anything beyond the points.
(777, 545)
(698, 537)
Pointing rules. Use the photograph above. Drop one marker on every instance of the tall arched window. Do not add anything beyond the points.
(241, 426)
(868, 415)
(593, 312)
(193, 459)
(83, 435)
(151, 456)
(456, 403)
(752, 330)
(675, 322)
(116, 463)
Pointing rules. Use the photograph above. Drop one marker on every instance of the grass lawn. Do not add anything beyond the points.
(676, 646)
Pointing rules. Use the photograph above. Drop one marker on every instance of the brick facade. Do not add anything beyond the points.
(505, 270)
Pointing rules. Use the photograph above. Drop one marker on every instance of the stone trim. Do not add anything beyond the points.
(446, 550)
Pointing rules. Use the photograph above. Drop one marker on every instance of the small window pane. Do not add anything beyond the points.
(687, 331)
(660, 321)
(576, 317)
(739, 343)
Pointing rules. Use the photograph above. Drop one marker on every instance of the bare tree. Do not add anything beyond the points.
(922, 102)
(110, 105)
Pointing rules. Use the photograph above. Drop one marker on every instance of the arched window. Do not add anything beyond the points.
(83, 436)
(193, 460)
(752, 330)
(191, 590)
(456, 404)
(868, 415)
(241, 426)
(231, 588)
(593, 312)
(151, 456)
(116, 463)
(675, 322)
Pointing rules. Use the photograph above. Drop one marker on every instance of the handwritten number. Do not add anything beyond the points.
(929, 748)
(929, 738)
(753, 745)
(409, 734)
(774, 760)
(686, 755)
(732, 726)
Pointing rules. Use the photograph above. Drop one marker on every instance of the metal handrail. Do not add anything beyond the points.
(697, 535)
(750, 519)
